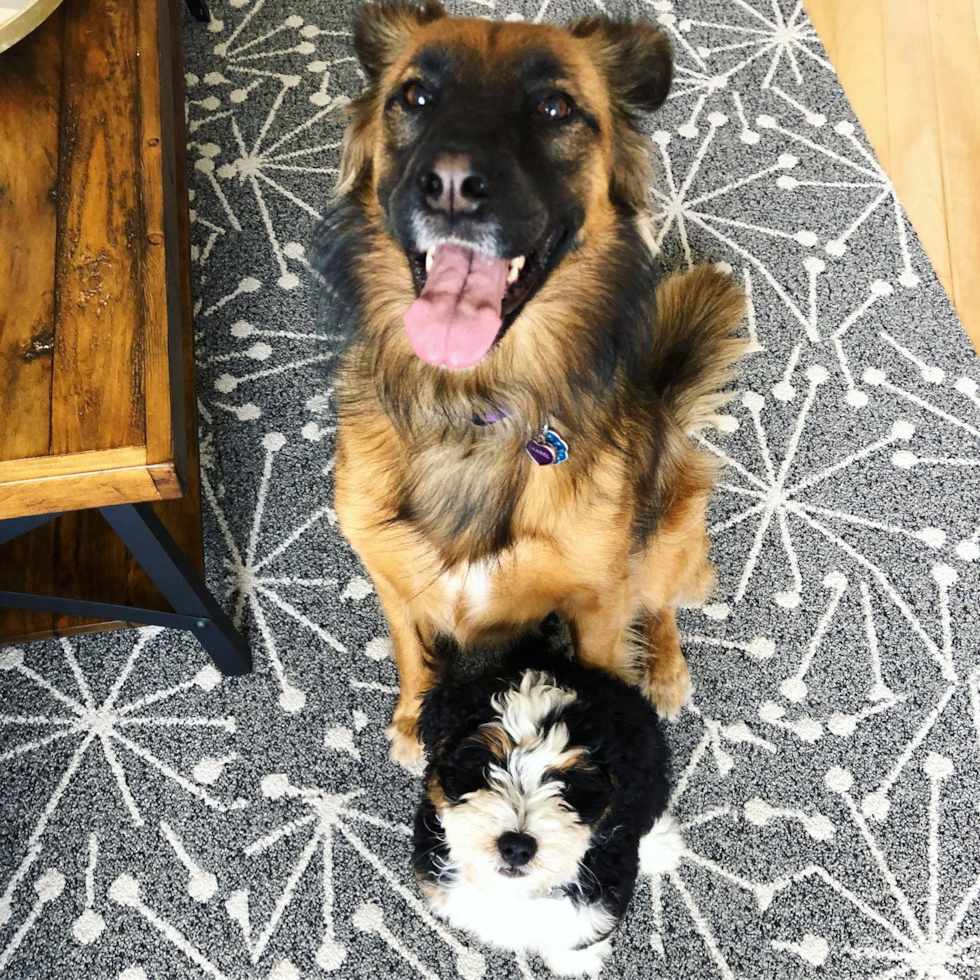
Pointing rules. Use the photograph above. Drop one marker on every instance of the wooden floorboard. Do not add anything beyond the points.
(911, 69)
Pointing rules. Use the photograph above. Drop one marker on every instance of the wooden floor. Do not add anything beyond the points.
(911, 69)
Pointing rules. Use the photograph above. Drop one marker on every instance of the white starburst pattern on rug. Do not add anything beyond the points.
(825, 775)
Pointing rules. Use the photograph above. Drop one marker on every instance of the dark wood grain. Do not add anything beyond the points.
(77, 555)
(30, 91)
(99, 317)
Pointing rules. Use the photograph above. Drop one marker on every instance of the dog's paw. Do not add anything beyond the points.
(703, 583)
(662, 848)
(586, 962)
(669, 693)
(405, 749)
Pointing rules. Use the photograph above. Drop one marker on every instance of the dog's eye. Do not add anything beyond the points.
(554, 107)
(416, 97)
(465, 771)
(586, 790)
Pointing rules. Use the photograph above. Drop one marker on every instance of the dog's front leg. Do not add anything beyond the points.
(667, 680)
(414, 675)
(586, 962)
(598, 629)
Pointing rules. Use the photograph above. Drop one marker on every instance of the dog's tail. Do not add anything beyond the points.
(695, 347)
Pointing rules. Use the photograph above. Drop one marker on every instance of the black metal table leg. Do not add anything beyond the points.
(97, 610)
(199, 9)
(14, 527)
(152, 546)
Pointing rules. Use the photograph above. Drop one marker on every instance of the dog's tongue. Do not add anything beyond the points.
(457, 318)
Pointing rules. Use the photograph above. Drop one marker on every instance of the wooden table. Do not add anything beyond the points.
(97, 408)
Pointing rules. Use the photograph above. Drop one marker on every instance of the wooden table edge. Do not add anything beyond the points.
(78, 628)
(96, 488)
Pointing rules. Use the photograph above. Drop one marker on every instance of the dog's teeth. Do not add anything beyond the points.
(429, 259)
(515, 269)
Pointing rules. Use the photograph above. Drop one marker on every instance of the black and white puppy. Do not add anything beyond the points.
(542, 782)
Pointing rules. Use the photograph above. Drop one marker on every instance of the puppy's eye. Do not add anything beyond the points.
(416, 97)
(586, 791)
(465, 771)
(554, 107)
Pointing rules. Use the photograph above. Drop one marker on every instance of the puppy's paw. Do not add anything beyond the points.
(405, 749)
(586, 962)
(669, 690)
(662, 848)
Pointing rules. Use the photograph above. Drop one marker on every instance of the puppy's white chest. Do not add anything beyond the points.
(520, 923)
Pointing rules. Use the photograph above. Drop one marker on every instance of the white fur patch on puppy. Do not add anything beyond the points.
(662, 848)
(577, 962)
(523, 922)
(522, 710)
(522, 795)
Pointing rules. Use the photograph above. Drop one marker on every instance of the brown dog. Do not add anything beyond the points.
(487, 249)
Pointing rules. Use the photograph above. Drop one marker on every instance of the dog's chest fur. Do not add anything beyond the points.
(469, 589)
(543, 924)
(464, 494)
(479, 535)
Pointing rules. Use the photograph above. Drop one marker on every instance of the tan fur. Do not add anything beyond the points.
(591, 577)
(435, 793)
(496, 740)
(574, 759)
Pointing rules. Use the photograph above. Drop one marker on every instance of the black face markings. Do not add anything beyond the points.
(544, 77)
(522, 124)
(540, 69)
(436, 63)
(433, 68)
(466, 769)
(587, 790)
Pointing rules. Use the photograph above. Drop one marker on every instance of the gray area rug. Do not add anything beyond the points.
(160, 822)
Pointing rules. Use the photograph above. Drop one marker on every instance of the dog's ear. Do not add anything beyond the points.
(382, 29)
(634, 58)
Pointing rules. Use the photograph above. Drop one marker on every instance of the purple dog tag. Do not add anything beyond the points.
(541, 453)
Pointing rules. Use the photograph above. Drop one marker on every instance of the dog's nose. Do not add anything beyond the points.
(516, 849)
(453, 185)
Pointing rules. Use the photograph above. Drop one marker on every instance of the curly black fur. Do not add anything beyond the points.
(621, 793)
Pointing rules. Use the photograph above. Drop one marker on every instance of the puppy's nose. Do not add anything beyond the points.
(516, 849)
(453, 185)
